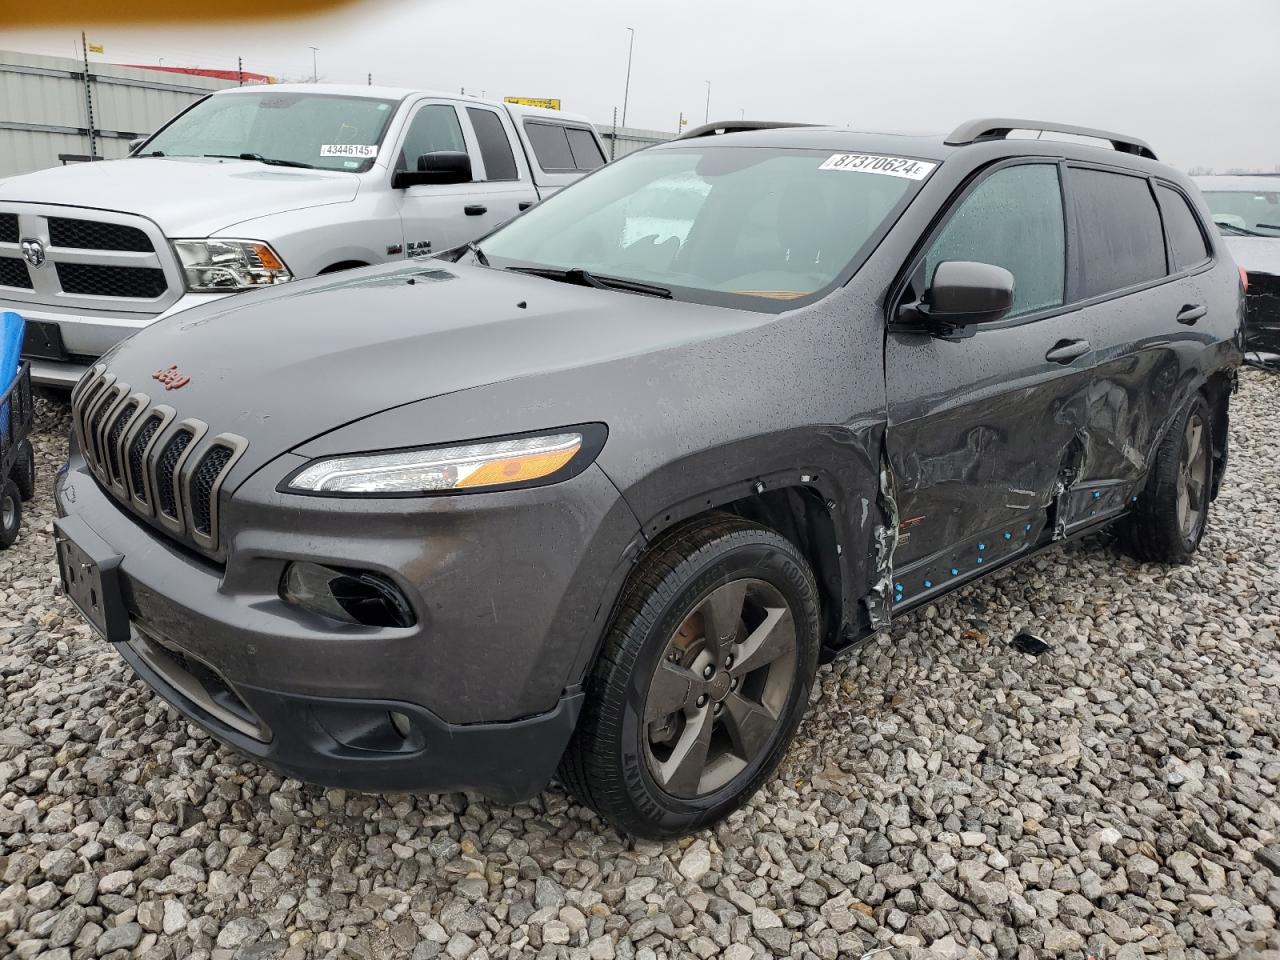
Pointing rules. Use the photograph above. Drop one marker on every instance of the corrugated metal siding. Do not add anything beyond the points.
(55, 99)
(630, 139)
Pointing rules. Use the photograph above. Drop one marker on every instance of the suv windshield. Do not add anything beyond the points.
(299, 129)
(1246, 212)
(751, 221)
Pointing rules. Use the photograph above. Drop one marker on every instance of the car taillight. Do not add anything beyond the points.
(1244, 279)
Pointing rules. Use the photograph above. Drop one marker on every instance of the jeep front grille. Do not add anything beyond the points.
(168, 470)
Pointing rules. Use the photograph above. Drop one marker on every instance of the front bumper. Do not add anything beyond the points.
(88, 334)
(474, 696)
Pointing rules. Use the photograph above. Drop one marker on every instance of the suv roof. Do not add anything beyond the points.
(932, 146)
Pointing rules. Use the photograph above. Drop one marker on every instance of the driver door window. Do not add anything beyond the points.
(1012, 219)
(434, 127)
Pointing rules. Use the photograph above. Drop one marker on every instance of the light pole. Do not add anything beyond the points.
(706, 117)
(626, 92)
(315, 74)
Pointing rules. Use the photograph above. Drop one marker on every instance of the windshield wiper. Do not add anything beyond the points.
(153, 153)
(1242, 231)
(270, 161)
(584, 278)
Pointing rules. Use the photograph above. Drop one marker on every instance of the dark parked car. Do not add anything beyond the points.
(1246, 210)
(600, 493)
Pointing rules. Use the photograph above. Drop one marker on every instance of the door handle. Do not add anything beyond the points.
(1190, 313)
(525, 205)
(475, 210)
(1064, 351)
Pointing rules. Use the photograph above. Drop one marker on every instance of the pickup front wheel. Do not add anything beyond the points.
(702, 680)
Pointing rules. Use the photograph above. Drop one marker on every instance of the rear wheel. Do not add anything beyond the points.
(703, 678)
(1169, 519)
(24, 471)
(10, 513)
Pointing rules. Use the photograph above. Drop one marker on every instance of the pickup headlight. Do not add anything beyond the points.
(498, 464)
(219, 266)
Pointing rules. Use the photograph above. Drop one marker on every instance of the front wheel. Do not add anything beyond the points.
(1169, 519)
(703, 678)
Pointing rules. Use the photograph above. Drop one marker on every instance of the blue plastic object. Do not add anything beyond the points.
(12, 327)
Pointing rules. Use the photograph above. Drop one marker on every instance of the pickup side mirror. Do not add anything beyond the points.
(135, 143)
(965, 292)
(440, 167)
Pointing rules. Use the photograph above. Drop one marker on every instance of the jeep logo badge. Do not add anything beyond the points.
(171, 377)
(33, 252)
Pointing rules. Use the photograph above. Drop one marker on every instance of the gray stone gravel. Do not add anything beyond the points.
(947, 797)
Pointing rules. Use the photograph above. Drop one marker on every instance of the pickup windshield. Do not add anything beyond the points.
(712, 223)
(291, 129)
(1246, 212)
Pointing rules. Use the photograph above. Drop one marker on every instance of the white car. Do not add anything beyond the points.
(255, 186)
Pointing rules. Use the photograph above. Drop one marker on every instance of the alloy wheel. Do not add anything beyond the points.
(720, 690)
(1193, 477)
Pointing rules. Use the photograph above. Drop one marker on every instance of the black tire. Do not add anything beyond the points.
(10, 513)
(24, 471)
(1158, 530)
(608, 764)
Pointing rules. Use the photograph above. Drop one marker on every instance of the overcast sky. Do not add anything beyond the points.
(1198, 79)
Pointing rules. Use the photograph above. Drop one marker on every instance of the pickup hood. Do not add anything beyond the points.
(185, 196)
(1256, 254)
(283, 366)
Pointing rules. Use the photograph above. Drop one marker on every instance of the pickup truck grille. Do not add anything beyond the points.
(95, 235)
(95, 259)
(166, 470)
(95, 279)
(13, 273)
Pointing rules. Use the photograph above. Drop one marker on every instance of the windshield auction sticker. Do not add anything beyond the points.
(889, 166)
(362, 150)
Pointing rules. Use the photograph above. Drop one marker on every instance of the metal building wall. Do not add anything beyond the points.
(42, 107)
(618, 143)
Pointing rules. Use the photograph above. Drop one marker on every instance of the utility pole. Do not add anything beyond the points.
(88, 98)
(706, 117)
(613, 138)
(315, 73)
(626, 92)
(371, 79)
(240, 71)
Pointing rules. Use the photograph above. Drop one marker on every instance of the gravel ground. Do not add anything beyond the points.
(947, 797)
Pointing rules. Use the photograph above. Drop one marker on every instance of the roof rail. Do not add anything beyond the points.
(998, 128)
(736, 126)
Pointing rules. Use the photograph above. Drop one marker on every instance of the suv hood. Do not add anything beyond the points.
(283, 366)
(1256, 254)
(186, 196)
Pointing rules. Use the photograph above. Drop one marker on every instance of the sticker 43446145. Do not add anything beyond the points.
(903, 167)
(361, 150)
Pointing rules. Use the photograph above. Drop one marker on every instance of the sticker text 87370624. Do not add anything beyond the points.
(903, 167)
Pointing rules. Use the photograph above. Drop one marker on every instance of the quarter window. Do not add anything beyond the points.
(434, 127)
(1012, 219)
(1186, 240)
(495, 148)
(1118, 225)
(585, 148)
(561, 149)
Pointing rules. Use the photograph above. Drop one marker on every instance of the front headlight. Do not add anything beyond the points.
(218, 266)
(519, 461)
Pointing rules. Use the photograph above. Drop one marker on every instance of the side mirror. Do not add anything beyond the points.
(135, 143)
(440, 167)
(964, 292)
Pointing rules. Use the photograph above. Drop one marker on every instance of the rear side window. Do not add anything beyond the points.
(585, 149)
(495, 148)
(1187, 245)
(1118, 225)
(1012, 219)
(434, 128)
(561, 149)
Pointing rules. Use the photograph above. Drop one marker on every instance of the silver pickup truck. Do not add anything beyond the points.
(255, 186)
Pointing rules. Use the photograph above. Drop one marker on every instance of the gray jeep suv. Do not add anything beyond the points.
(599, 493)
